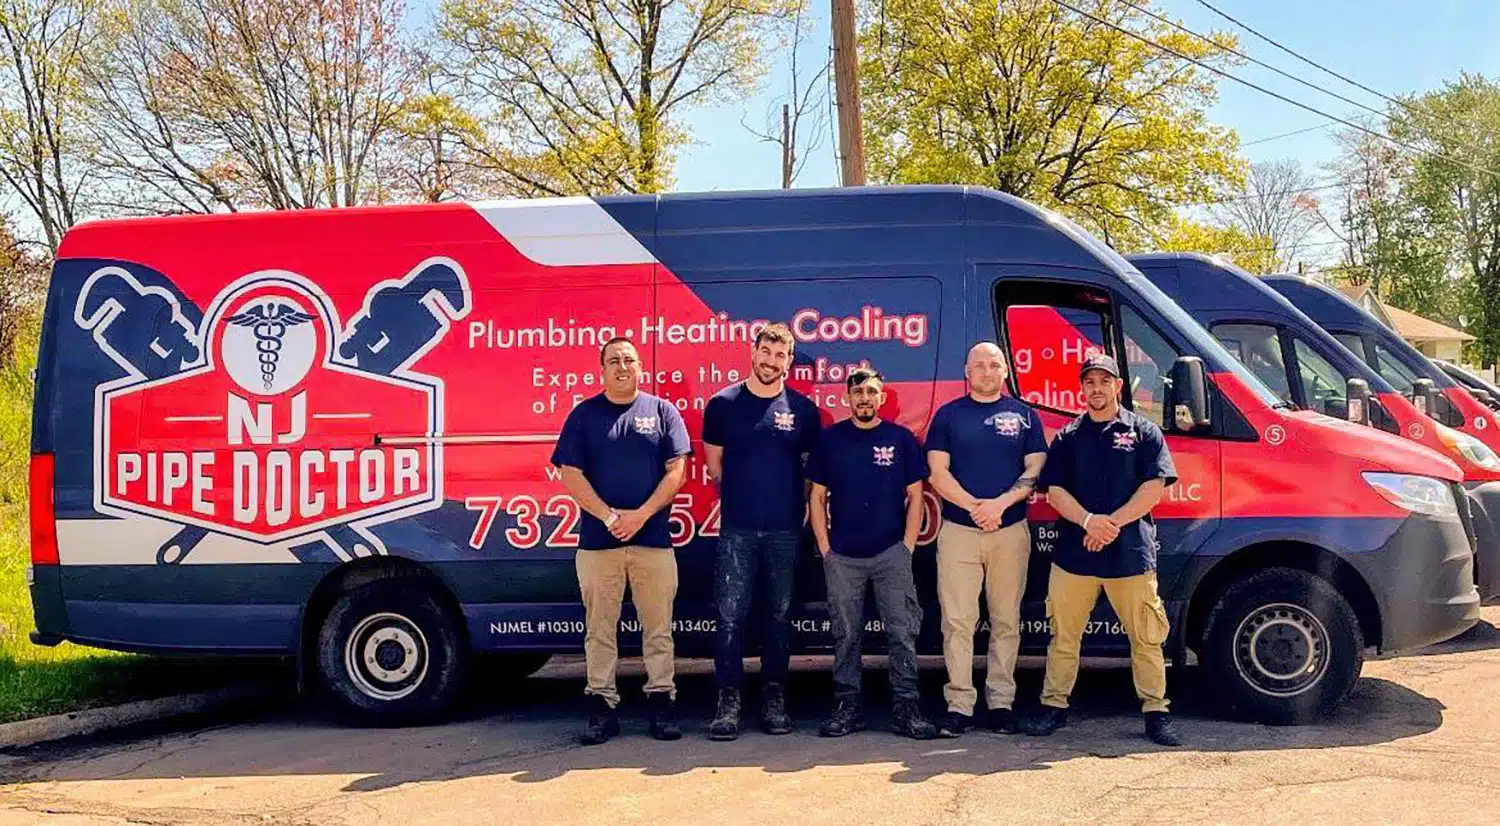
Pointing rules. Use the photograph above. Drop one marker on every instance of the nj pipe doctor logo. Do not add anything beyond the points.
(269, 434)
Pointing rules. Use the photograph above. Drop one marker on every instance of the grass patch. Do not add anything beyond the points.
(35, 680)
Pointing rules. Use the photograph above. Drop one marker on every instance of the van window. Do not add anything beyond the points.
(1393, 371)
(1323, 385)
(1148, 365)
(1258, 347)
(1047, 345)
(1353, 343)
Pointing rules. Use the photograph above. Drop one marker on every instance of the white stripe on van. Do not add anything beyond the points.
(564, 232)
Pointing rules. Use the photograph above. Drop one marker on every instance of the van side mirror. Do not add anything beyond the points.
(1357, 390)
(1424, 395)
(1189, 394)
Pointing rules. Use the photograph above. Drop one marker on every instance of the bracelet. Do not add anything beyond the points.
(614, 516)
(1086, 519)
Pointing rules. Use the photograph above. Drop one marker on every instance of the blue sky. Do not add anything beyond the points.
(1393, 46)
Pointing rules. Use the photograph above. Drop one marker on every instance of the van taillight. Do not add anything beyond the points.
(43, 516)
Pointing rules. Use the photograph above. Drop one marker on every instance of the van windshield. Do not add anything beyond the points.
(1214, 354)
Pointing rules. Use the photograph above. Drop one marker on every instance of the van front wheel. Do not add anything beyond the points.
(1283, 647)
(390, 654)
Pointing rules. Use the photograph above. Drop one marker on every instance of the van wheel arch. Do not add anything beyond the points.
(353, 575)
(1246, 561)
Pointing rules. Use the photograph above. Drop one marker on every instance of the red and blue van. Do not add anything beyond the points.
(1468, 424)
(1305, 365)
(324, 434)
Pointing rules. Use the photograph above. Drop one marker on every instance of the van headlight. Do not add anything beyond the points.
(1469, 447)
(1418, 494)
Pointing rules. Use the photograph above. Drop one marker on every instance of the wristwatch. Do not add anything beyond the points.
(614, 516)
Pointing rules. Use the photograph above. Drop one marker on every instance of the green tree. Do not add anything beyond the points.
(1179, 234)
(586, 96)
(1454, 190)
(1032, 100)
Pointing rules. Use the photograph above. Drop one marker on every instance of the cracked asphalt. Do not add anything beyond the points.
(1417, 742)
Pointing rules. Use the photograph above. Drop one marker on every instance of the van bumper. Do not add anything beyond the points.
(1427, 578)
(1484, 504)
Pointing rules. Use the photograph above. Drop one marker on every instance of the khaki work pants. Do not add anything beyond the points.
(602, 575)
(969, 559)
(1070, 601)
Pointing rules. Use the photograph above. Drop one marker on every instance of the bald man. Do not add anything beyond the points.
(985, 451)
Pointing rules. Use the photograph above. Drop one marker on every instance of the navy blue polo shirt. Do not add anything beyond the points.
(1102, 465)
(987, 444)
(766, 442)
(866, 473)
(623, 450)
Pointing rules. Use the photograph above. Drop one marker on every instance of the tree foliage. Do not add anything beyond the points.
(1026, 97)
(1276, 205)
(586, 96)
(1186, 235)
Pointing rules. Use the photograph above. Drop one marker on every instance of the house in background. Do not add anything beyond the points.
(1433, 339)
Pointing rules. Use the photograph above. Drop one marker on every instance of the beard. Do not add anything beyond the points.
(866, 414)
(767, 373)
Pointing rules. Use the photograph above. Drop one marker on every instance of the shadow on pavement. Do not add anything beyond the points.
(527, 732)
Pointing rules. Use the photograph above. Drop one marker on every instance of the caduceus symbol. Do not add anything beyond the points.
(269, 322)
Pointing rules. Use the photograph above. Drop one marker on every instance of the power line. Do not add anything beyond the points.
(1278, 96)
(1352, 82)
(1285, 135)
(1267, 195)
(1237, 53)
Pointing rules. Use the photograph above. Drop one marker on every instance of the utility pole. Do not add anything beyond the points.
(846, 89)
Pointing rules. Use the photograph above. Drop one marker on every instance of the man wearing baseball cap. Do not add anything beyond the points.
(1104, 473)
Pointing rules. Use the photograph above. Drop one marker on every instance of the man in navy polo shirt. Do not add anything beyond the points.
(985, 451)
(757, 435)
(621, 455)
(871, 472)
(1105, 472)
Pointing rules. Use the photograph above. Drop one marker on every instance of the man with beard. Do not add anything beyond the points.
(985, 451)
(756, 438)
(621, 455)
(872, 471)
(1105, 472)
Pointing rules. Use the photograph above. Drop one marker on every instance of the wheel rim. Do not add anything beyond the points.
(386, 656)
(1281, 649)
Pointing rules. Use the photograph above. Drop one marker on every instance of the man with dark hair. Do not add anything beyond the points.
(871, 472)
(756, 438)
(1105, 472)
(985, 451)
(622, 458)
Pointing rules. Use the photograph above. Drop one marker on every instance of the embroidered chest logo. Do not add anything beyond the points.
(1008, 424)
(885, 456)
(1125, 441)
(785, 421)
(645, 425)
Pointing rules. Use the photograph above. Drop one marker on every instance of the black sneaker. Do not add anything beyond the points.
(603, 722)
(663, 716)
(847, 718)
(1049, 720)
(907, 721)
(726, 722)
(1002, 720)
(954, 724)
(1161, 730)
(773, 716)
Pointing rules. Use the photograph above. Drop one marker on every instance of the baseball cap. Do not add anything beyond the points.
(1099, 361)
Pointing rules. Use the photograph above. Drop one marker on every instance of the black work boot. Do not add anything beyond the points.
(726, 722)
(1049, 720)
(1002, 720)
(907, 721)
(603, 723)
(1161, 730)
(847, 718)
(663, 716)
(954, 724)
(773, 716)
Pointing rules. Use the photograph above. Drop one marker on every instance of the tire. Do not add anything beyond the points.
(1282, 647)
(390, 653)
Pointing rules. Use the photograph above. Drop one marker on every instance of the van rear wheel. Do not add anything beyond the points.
(390, 653)
(1284, 646)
